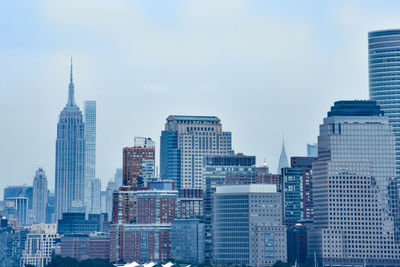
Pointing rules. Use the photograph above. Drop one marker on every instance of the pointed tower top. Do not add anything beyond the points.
(70, 78)
(71, 98)
(283, 161)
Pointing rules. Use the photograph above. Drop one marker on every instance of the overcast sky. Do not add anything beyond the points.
(263, 68)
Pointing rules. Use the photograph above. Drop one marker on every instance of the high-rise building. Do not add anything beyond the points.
(297, 190)
(149, 213)
(354, 190)
(40, 196)
(138, 162)
(111, 188)
(40, 244)
(312, 150)
(96, 196)
(70, 157)
(247, 225)
(89, 108)
(118, 177)
(184, 143)
(216, 169)
(384, 81)
(19, 191)
(283, 161)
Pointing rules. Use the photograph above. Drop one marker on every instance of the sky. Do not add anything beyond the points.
(267, 69)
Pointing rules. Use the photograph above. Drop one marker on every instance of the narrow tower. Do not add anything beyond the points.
(40, 196)
(70, 155)
(283, 161)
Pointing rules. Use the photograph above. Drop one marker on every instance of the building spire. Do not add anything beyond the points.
(283, 160)
(71, 97)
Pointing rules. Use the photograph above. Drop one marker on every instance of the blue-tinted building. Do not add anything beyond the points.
(90, 155)
(170, 157)
(70, 157)
(187, 241)
(384, 77)
(75, 222)
(292, 194)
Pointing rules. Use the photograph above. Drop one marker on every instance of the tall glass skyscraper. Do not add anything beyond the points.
(90, 154)
(70, 157)
(384, 77)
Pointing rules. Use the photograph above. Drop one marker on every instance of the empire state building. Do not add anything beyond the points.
(70, 157)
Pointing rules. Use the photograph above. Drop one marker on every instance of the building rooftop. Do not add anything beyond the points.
(181, 118)
(355, 108)
(246, 188)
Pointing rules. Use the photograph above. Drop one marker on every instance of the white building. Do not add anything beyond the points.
(39, 245)
(354, 189)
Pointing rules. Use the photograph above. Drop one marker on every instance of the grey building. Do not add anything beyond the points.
(215, 171)
(70, 157)
(187, 241)
(247, 225)
(354, 189)
(283, 160)
(19, 191)
(96, 196)
(16, 208)
(384, 79)
(40, 196)
(312, 150)
(111, 188)
(89, 107)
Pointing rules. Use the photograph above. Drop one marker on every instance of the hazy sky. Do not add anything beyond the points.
(261, 67)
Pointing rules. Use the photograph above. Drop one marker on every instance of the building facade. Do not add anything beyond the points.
(70, 157)
(354, 189)
(384, 80)
(96, 196)
(187, 241)
(138, 162)
(40, 196)
(16, 209)
(185, 142)
(89, 108)
(40, 244)
(247, 225)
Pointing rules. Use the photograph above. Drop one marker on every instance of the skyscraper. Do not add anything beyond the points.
(184, 143)
(312, 150)
(40, 196)
(70, 157)
(354, 190)
(90, 154)
(384, 79)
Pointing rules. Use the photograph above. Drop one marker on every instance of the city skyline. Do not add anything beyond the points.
(102, 75)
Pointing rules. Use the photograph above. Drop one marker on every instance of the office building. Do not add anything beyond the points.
(138, 162)
(312, 150)
(40, 244)
(185, 141)
(354, 189)
(40, 196)
(297, 244)
(111, 188)
(215, 171)
(89, 114)
(103, 204)
(72, 223)
(247, 225)
(297, 190)
(70, 157)
(384, 81)
(187, 241)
